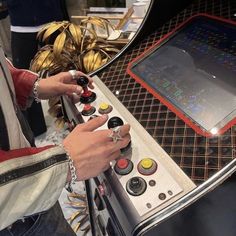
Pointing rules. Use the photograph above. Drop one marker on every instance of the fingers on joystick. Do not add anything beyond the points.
(114, 122)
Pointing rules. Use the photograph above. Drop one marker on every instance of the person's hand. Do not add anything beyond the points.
(60, 84)
(92, 151)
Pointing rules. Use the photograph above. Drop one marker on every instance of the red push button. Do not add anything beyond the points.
(88, 110)
(87, 107)
(123, 166)
(122, 163)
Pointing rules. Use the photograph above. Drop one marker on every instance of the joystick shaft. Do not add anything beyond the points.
(87, 96)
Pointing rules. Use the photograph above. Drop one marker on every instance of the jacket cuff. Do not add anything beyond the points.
(23, 82)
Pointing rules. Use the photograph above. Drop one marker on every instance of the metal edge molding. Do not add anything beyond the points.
(188, 199)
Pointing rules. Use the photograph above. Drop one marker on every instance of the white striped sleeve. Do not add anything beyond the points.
(31, 184)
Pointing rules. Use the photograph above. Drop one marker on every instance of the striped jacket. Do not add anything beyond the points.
(31, 179)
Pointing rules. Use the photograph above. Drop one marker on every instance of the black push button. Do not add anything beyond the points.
(114, 122)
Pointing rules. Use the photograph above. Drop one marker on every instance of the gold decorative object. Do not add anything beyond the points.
(71, 46)
(79, 219)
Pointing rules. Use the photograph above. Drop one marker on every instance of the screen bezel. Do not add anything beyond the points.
(230, 120)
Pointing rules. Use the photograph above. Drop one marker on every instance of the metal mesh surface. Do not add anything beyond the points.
(199, 157)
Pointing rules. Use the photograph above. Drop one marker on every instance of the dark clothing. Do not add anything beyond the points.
(51, 222)
(34, 12)
(22, 54)
(212, 215)
(3, 9)
(24, 46)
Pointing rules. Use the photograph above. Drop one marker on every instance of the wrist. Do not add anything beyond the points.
(36, 90)
(68, 179)
(71, 175)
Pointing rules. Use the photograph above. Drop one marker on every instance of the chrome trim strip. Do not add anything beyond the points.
(189, 198)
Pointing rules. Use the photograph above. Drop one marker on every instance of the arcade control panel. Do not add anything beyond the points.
(146, 175)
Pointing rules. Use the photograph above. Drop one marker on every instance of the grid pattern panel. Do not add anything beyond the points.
(199, 157)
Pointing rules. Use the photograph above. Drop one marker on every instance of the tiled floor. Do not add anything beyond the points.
(55, 136)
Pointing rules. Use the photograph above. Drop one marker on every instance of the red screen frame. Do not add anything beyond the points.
(173, 108)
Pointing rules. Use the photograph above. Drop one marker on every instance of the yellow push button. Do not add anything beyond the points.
(104, 106)
(147, 166)
(147, 163)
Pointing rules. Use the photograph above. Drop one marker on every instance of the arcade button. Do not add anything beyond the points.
(136, 186)
(152, 183)
(114, 122)
(147, 166)
(146, 163)
(88, 97)
(162, 196)
(123, 166)
(88, 110)
(104, 108)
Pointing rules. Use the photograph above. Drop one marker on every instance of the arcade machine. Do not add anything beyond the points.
(175, 84)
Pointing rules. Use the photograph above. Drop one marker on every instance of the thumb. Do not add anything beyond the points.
(93, 124)
(69, 89)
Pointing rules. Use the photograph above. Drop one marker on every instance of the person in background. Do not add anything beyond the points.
(106, 3)
(27, 18)
(32, 179)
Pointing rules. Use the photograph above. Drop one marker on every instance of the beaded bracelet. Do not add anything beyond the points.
(35, 90)
(72, 172)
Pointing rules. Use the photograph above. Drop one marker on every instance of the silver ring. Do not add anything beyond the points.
(73, 74)
(115, 134)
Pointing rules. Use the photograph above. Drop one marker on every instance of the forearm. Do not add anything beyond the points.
(30, 183)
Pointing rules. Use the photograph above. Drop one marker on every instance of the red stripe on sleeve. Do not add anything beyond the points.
(7, 155)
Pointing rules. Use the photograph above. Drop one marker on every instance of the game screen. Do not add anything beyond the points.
(195, 71)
